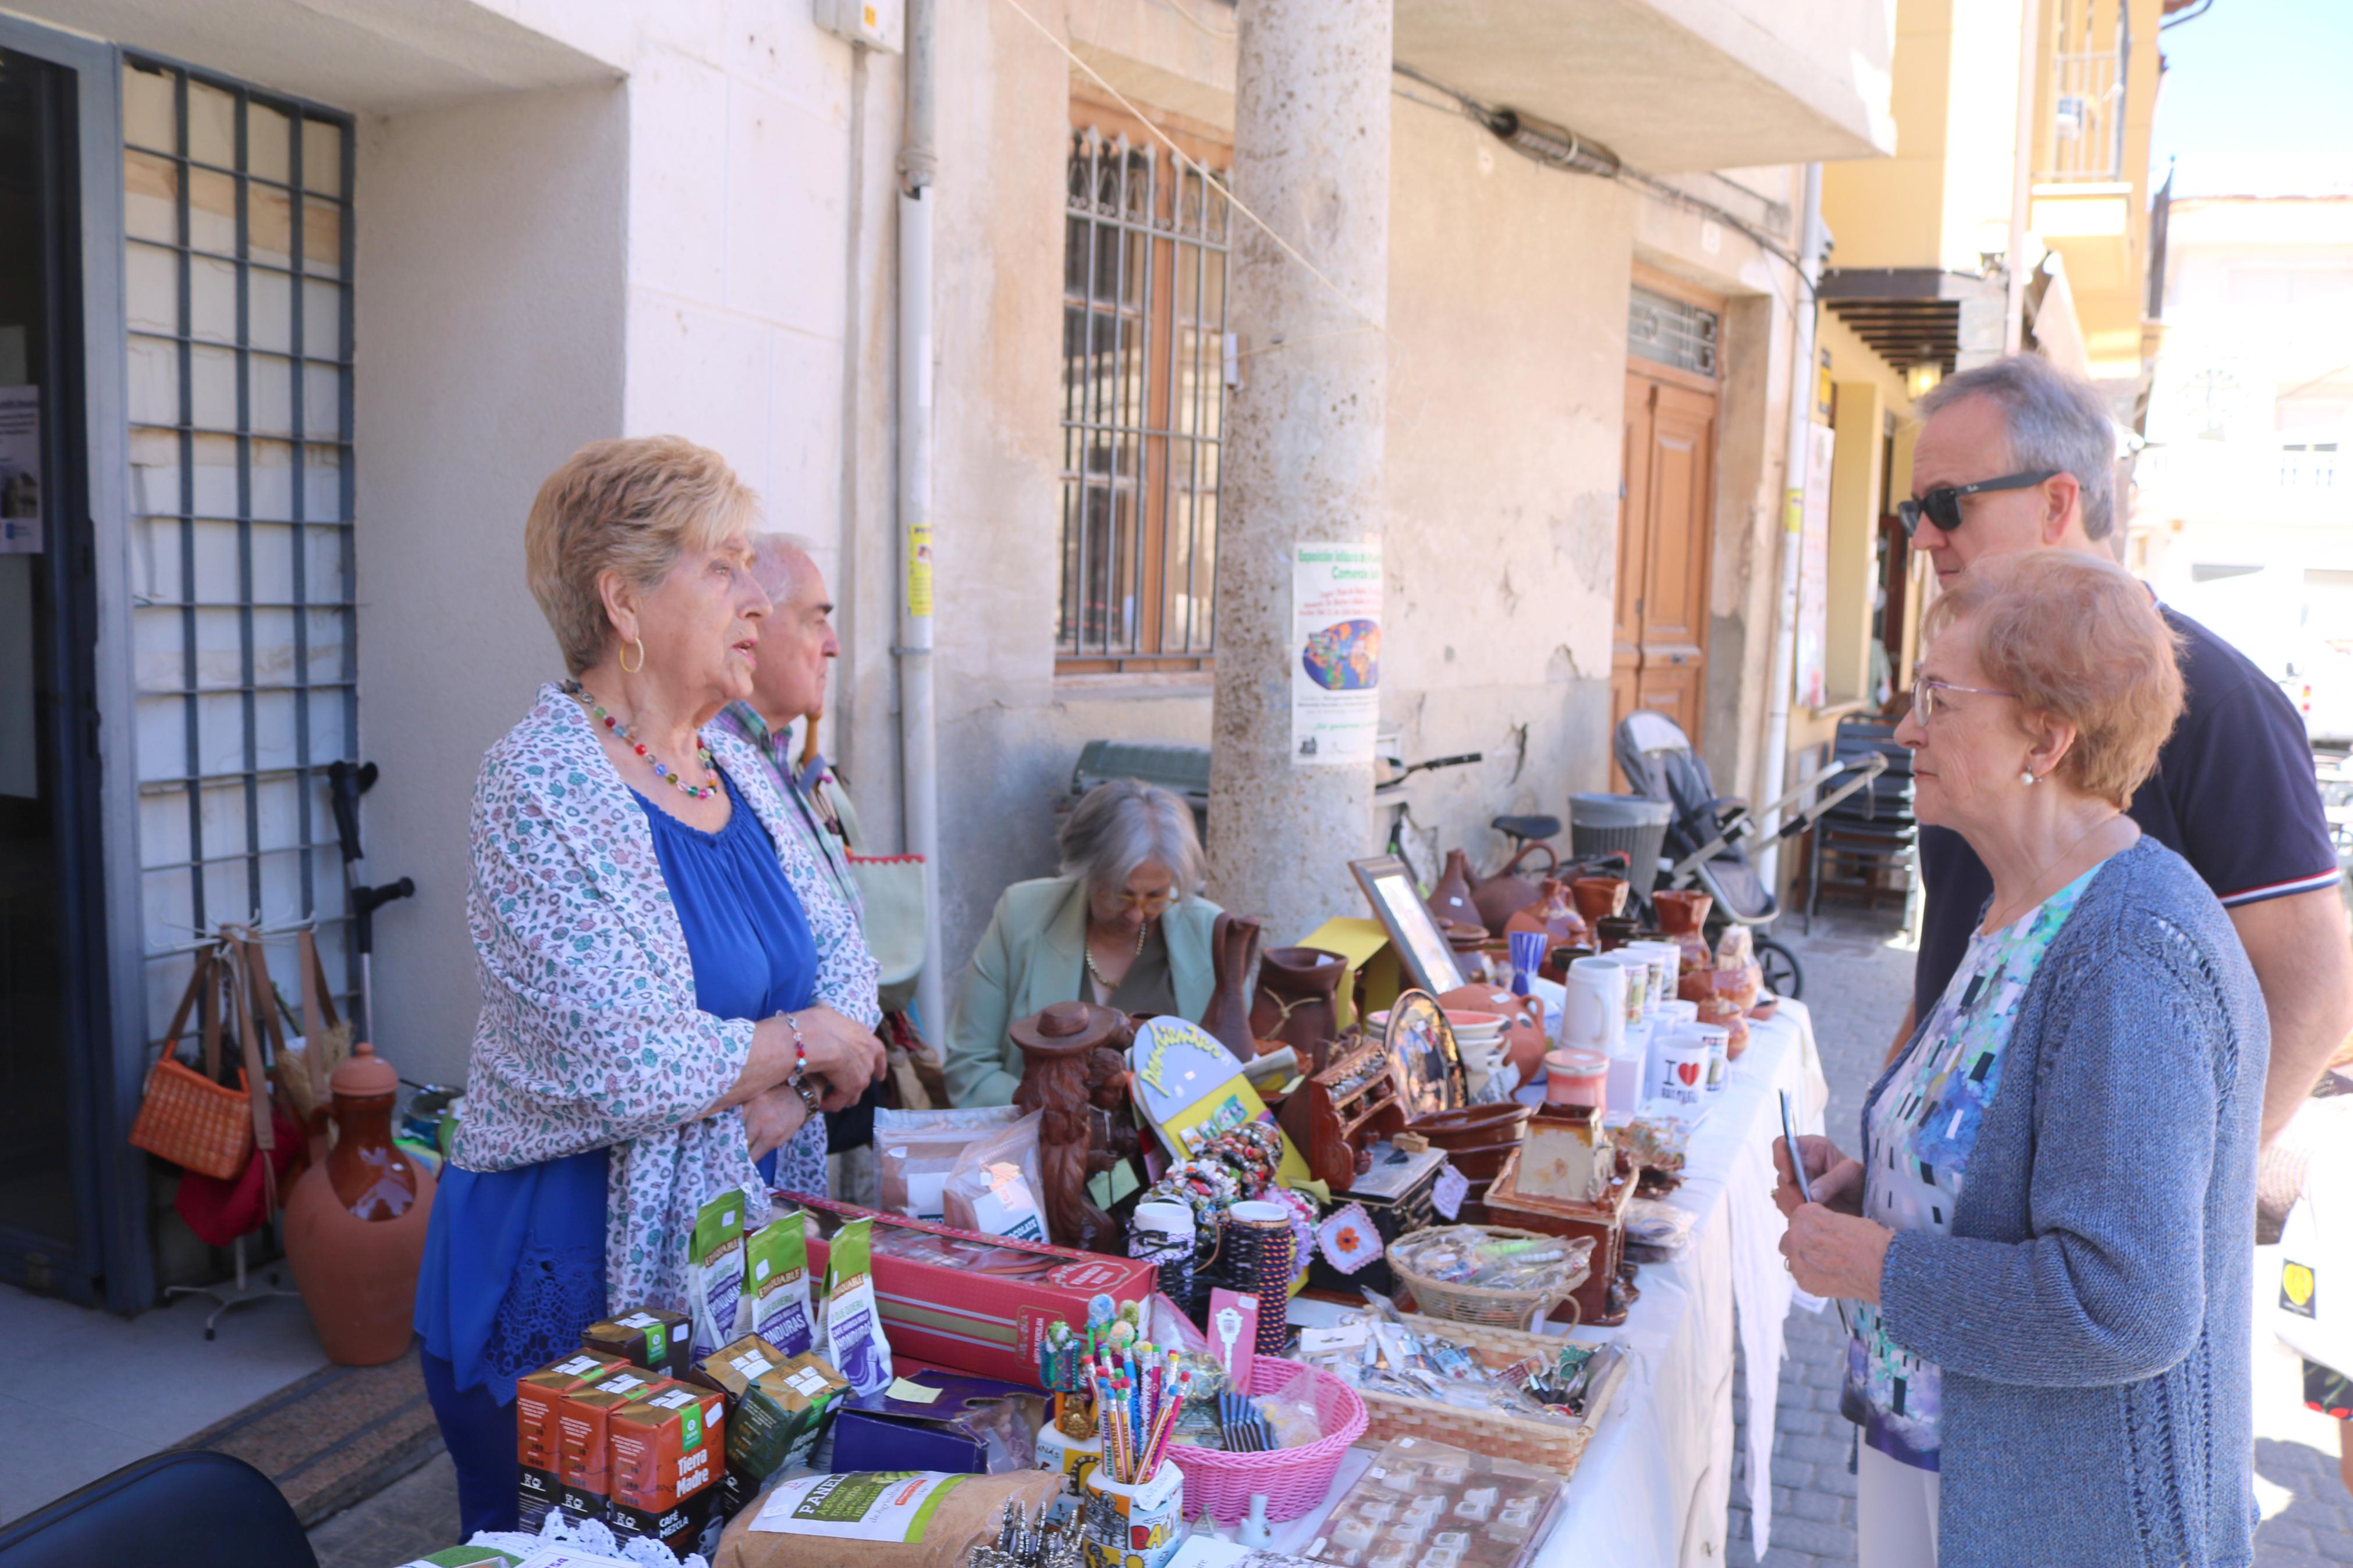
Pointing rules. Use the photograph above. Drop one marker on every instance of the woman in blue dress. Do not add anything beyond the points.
(671, 990)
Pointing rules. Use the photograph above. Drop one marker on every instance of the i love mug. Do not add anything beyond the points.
(1680, 1062)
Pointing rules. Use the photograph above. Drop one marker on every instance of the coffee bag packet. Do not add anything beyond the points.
(714, 1272)
(776, 1284)
(779, 1406)
(648, 1337)
(854, 1342)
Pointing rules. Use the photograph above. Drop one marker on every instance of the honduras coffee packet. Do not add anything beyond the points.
(714, 1272)
(854, 1343)
(776, 1284)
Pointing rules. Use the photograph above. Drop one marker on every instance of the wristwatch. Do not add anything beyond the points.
(800, 1085)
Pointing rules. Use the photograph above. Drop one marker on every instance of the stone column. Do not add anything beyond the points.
(1304, 437)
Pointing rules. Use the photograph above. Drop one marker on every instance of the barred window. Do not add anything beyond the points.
(1672, 331)
(1144, 321)
(236, 211)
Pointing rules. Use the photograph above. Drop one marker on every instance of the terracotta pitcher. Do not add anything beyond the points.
(1296, 1001)
(1507, 892)
(1599, 897)
(1681, 917)
(1551, 914)
(1449, 901)
(1233, 948)
(356, 1223)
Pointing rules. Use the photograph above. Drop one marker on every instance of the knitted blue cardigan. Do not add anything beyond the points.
(2090, 1309)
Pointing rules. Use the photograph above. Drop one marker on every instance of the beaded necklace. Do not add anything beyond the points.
(579, 694)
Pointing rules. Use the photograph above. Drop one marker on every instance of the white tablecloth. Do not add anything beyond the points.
(1654, 1486)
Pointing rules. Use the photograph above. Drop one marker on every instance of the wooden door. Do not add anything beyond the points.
(1667, 498)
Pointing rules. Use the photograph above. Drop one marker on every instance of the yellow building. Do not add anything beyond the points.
(2013, 214)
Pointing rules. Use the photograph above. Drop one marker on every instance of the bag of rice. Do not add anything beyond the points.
(776, 1284)
(714, 1272)
(854, 1342)
(919, 1519)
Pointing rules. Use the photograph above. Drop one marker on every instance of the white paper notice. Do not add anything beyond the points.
(1335, 615)
(20, 470)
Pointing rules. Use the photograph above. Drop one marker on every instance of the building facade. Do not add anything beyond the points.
(315, 298)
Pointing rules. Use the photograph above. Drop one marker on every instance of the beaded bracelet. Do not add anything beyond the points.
(800, 1050)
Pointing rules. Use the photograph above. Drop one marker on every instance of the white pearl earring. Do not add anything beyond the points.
(2027, 778)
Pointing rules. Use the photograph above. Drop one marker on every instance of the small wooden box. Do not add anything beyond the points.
(1398, 1208)
(1605, 1222)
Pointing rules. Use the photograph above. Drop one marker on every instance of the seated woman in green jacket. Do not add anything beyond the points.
(1124, 926)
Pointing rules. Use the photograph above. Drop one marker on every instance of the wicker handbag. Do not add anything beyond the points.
(191, 1118)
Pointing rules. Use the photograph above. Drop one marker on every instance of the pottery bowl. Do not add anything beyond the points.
(1472, 1126)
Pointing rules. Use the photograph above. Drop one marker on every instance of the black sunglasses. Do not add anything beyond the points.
(1943, 506)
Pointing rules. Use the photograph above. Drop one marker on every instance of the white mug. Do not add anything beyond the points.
(1666, 961)
(1680, 1063)
(1629, 1066)
(1718, 1040)
(1593, 1013)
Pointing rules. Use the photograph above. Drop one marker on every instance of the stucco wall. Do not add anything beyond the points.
(489, 345)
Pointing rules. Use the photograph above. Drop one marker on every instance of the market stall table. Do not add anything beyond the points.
(1654, 1486)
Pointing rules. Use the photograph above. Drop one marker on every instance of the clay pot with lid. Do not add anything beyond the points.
(1507, 892)
(355, 1221)
(1681, 916)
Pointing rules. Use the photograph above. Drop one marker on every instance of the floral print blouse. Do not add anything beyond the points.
(589, 1037)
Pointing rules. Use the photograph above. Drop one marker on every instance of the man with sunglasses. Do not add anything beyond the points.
(2017, 454)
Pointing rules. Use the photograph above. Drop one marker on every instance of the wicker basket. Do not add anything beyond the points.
(1484, 1304)
(1295, 1481)
(1558, 1445)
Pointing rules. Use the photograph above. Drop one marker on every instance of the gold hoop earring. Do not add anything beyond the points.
(629, 669)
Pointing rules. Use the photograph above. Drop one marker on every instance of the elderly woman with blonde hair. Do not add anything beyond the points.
(2049, 1235)
(671, 989)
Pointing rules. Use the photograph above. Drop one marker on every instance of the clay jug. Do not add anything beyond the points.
(1297, 987)
(1449, 901)
(1233, 949)
(1507, 892)
(355, 1221)
(1550, 914)
(1681, 917)
(1599, 897)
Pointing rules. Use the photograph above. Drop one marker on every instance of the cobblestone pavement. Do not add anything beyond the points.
(1858, 969)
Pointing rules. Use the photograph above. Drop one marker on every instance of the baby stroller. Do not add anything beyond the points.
(1704, 835)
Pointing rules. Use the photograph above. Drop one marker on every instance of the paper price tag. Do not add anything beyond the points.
(1453, 1188)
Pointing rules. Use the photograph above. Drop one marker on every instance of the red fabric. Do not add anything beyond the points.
(219, 1211)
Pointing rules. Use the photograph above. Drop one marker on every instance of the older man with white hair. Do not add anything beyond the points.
(2019, 454)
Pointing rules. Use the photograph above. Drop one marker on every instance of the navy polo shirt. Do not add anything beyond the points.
(2233, 794)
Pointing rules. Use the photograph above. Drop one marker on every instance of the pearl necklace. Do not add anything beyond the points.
(1087, 951)
(579, 694)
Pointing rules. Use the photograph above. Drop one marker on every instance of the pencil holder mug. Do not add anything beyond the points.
(1137, 1526)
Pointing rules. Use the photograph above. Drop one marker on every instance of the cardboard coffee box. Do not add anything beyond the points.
(584, 1468)
(667, 1455)
(778, 1406)
(538, 1442)
(973, 1303)
(648, 1337)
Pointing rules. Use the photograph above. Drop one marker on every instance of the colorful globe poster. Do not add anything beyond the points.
(1336, 702)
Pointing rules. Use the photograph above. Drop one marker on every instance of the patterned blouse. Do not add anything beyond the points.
(589, 1037)
(1915, 1155)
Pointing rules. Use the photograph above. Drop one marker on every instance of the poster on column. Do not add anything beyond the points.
(1814, 573)
(1335, 675)
(20, 470)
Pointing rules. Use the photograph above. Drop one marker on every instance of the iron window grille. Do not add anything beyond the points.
(1144, 319)
(1670, 332)
(238, 244)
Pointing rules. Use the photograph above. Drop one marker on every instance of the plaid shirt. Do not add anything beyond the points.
(819, 829)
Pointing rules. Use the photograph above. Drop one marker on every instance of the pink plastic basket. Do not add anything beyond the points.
(1293, 1480)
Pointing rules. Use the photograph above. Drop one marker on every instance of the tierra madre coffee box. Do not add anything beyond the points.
(974, 1303)
(539, 1398)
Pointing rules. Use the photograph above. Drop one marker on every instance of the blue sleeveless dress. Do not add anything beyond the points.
(514, 1260)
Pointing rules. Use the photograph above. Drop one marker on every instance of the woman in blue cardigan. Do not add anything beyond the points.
(2049, 1235)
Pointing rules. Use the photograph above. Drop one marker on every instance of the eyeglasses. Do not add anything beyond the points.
(1150, 903)
(1924, 699)
(1942, 506)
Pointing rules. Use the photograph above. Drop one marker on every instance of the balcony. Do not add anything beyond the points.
(1673, 86)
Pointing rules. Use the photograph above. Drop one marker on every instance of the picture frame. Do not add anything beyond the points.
(1424, 1060)
(1388, 886)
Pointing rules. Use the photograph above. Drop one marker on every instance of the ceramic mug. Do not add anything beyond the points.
(1594, 1013)
(1666, 965)
(1718, 1040)
(1680, 1064)
(1630, 1067)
